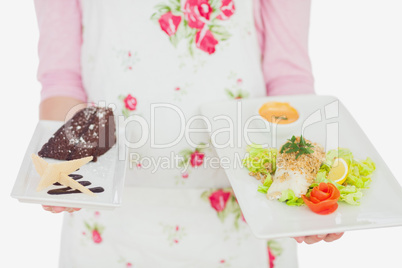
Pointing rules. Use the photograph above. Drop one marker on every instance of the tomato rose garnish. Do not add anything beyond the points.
(323, 198)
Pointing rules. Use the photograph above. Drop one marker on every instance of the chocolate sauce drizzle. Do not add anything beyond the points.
(68, 190)
(74, 177)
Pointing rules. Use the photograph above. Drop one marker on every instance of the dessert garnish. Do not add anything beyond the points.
(58, 172)
(69, 190)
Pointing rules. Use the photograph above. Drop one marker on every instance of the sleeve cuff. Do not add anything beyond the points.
(290, 87)
(65, 91)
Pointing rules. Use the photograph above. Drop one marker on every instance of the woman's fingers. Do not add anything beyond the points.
(56, 209)
(312, 239)
(47, 208)
(299, 239)
(333, 237)
(71, 210)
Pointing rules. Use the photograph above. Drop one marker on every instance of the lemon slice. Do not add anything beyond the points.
(339, 171)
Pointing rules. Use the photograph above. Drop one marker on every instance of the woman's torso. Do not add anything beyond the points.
(131, 59)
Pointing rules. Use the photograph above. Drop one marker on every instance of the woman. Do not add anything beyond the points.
(184, 53)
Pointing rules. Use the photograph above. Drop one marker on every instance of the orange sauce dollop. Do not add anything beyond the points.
(279, 112)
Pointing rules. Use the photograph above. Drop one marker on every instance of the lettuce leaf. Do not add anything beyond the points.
(350, 194)
(258, 157)
(265, 186)
(360, 173)
(289, 197)
(344, 153)
(257, 160)
(262, 189)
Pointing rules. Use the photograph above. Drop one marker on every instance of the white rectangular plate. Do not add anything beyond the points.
(380, 205)
(107, 172)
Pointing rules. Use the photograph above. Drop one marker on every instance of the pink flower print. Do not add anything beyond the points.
(129, 265)
(94, 232)
(224, 202)
(196, 159)
(242, 217)
(237, 94)
(271, 258)
(274, 250)
(222, 261)
(169, 23)
(199, 25)
(96, 237)
(205, 41)
(130, 102)
(84, 233)
(177, 88)
(239, 81)
(219, 199)
(184, 175)
(227, 10)
(197, 13)
(129, 54)
(97, 213)
(175, 233)
(139, 165)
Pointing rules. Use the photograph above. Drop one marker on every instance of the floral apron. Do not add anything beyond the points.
(162, 59)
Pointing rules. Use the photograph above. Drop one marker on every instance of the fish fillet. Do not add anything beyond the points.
(296, 175)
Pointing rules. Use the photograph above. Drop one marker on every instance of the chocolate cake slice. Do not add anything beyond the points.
(90, 132)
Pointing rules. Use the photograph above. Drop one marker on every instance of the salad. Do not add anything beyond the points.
(301, 173)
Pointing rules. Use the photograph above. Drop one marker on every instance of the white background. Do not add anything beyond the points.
(356, 51)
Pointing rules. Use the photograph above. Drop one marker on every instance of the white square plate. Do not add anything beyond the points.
(107, 172)
(380, 205)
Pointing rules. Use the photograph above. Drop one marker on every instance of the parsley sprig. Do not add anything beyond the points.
(302, 147)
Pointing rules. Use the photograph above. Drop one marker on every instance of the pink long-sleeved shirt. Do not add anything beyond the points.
(282, 28)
